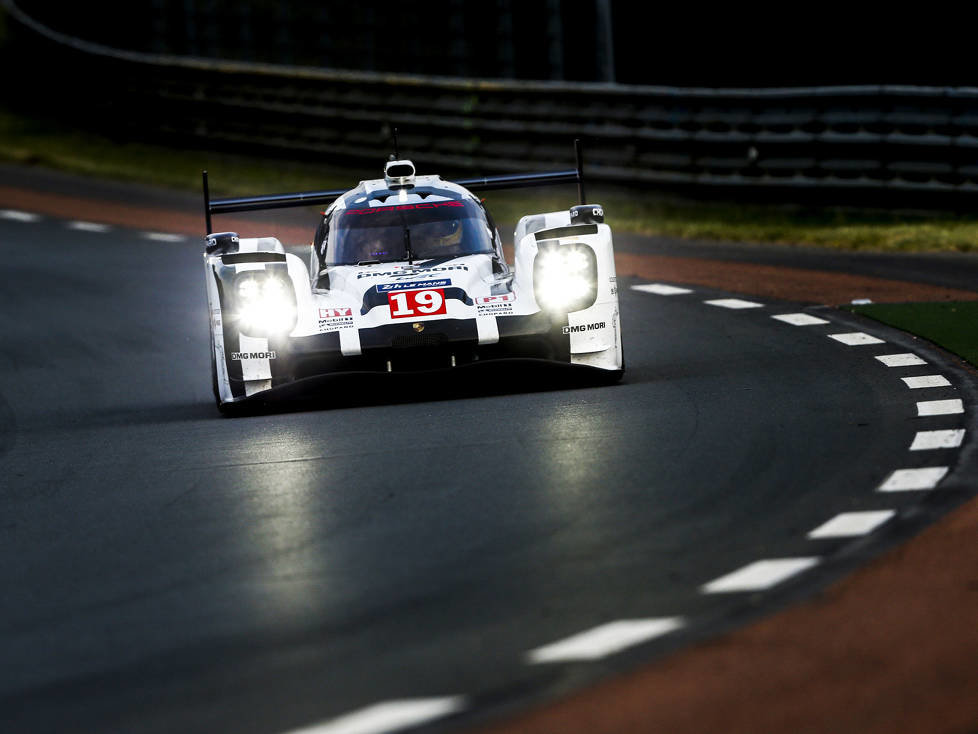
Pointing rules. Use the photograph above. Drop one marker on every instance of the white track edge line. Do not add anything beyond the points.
(604, 640)
(388, 716)
(910, 480)
(760, 575)
(941, 439)
(851, 524)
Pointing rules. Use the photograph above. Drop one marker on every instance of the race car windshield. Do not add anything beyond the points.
(437, 229)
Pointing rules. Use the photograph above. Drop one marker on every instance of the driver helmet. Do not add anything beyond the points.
(360, 244)
(447, 233)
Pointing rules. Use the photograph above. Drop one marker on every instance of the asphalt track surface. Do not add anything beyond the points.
(169, 570)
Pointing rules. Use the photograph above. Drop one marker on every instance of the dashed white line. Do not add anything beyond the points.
(759, 575)
(900, 360)
(89, 227)
(908, 480)
(930, 440)
(856, 338)
(18, 216)
(605, 640)
(613, 637)
(915, 383)
(851, 524)
(661, 289)
(939, 407)
(388, 716)
(799, 319)
(163, 237)
(734, 303)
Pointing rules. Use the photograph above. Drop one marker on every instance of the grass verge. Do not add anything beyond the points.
(950, 325)
(48, 144)
(51, 144)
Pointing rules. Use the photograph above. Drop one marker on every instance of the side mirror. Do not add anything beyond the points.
(587, 214)
(221, 243)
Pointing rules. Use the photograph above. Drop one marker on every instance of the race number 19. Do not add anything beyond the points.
(406, 304)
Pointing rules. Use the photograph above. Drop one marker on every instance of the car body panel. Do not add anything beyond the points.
(276, 321)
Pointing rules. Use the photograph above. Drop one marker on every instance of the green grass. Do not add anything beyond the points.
(825, 227)
(952, 325)
(50, 144)
(44, 143)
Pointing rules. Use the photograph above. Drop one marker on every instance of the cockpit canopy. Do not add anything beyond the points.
(430, 229)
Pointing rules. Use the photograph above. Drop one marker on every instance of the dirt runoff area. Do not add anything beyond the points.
(891, 648)
(781, 283)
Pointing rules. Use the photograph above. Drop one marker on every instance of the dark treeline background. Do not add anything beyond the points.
(573, 40)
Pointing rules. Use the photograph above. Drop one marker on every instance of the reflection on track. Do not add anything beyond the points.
(289, 567)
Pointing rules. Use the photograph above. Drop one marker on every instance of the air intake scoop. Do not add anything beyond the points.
(399, 173)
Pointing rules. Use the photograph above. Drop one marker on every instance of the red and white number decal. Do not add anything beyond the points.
(408, 304)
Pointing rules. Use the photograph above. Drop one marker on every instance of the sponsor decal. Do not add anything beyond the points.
(495, 305)
(332, 313)
(327, 325)
(403, 207)
(238, 356)
(584, 327)
(388, 287)
(595, 212)
(334, 319)
(501, 298)
(412, 304)
(400, 273)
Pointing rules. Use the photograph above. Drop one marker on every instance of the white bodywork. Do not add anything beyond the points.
(491, 294)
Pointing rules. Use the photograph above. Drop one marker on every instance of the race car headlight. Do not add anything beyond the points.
(565, 276)
(264, 303)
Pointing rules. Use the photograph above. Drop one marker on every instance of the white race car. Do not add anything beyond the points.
(407, 273)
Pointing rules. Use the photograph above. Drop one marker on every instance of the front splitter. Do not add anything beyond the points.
(489, 377)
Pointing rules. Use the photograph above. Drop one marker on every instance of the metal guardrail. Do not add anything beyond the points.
(875, 138)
